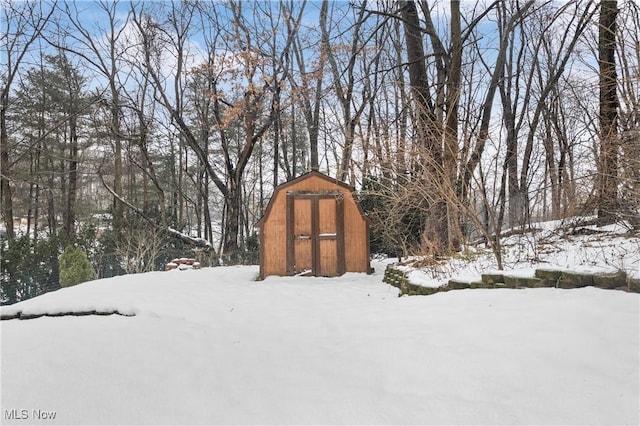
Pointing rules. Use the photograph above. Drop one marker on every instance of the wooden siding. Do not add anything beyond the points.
(336, 239)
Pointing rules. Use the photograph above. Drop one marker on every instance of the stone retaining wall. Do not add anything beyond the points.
(542, 278)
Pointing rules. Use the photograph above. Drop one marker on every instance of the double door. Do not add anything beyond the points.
(315, 233)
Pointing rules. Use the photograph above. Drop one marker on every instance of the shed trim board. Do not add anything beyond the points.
(340, 234)
(290, 231)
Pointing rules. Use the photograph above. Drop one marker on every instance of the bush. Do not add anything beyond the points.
(28, 268)
(75, 267)
(251, 254)
(397, 216)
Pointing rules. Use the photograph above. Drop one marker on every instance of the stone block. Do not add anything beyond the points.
(549, 274)
(481, 284)
(492, 278)
(610, 280)
(634, 285)
(519, 282)
(455, 284)
(575, 280)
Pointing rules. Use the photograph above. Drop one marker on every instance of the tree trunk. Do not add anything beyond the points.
(608, 161)
(22, 26)
(51, 205)
(435, 233)
(232, 223)
(117, 161)
(451, 128)
(70, 215)
(5, 187)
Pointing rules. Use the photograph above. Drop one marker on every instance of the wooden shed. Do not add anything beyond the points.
(313, 225)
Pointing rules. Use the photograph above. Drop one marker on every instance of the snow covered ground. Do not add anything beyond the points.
(213, 346)
(560, 245)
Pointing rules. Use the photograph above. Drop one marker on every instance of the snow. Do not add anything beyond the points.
(214, 346)
(198, 242)
(422, 278)
(608, 250)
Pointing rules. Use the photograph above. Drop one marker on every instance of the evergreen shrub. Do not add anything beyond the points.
(75, 267)
(28, 268)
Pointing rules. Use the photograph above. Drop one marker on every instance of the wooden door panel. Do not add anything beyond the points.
(302, 235)
(315, 228)
(328, 258)
(327, 216)
(302, 217)
(303, 251)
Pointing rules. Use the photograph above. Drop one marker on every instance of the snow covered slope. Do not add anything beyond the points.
(213, 346)
(570, 245)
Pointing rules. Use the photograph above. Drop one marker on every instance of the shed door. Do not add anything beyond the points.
(315, 233)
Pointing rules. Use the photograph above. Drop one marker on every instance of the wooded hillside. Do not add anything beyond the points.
(126, 124)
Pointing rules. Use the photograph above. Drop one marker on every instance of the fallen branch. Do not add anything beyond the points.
(200, 243)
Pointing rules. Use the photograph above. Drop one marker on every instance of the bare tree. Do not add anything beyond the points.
(24, 24)
(609, 144)
(309, 87)
(244, 70)
(628, 56)
(139, 248)
(533, 68)
(427, 127)
(345, 81)
(106, 56)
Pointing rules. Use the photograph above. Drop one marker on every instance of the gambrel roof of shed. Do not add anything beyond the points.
(299, 179)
